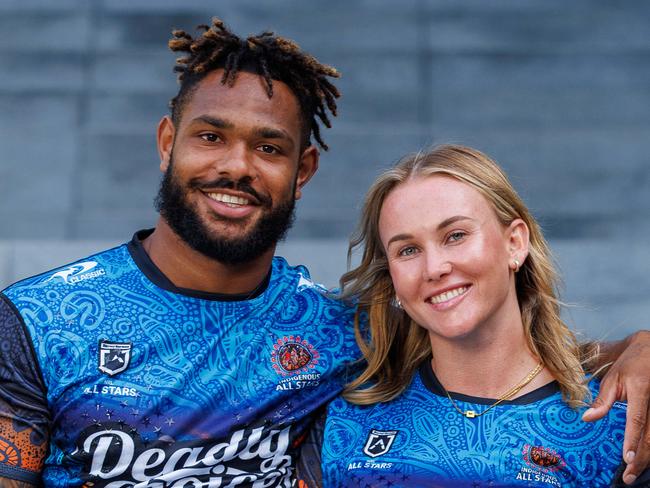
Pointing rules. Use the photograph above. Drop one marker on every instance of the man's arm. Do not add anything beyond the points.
(24, 414)
(627, 379)
(7, 483)
(22, 452)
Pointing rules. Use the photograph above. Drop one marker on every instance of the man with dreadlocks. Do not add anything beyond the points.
(190, 356)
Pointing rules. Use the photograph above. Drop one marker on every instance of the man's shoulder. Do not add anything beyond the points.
(299, 281)
(80, 270)
(309, 298)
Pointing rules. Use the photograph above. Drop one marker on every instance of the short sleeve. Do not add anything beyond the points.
(24, 414)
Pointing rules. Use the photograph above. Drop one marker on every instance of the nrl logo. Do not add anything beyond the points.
(379, 442)
(114, 357)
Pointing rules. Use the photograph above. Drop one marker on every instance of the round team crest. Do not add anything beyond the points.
(292, 355)
(542, 458)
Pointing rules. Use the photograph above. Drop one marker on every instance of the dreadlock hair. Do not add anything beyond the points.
(270, 56)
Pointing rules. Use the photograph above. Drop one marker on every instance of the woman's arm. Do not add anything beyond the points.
(627, 379)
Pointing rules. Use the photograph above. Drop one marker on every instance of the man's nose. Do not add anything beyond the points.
(236, 163)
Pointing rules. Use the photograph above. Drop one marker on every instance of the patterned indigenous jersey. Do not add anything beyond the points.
(420, 440)
(113, 377)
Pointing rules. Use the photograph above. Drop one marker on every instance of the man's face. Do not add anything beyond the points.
(233, 168)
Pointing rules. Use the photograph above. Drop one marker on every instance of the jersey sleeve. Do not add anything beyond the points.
(308, 468)
(24, 415)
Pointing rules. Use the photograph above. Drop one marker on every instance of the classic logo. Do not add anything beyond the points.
(114, 357)
(306, 282)
(542, 458)
(379, 442)
(292, 355)
(78, 272)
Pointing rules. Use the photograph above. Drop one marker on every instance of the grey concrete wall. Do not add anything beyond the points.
(557, 92)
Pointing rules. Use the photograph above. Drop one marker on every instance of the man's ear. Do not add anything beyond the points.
(165, 141)
(518, 237)
(307, 166)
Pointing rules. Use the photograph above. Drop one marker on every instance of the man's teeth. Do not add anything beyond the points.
(448, 295)
(228, 199)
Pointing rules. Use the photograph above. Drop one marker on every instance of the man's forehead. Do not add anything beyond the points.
(245, 101)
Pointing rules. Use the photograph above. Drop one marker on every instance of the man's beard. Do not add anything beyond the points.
(185, 221)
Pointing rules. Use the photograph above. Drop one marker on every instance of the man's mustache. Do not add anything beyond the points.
(227, 183)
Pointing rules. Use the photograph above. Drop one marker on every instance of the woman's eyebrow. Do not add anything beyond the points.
(452, 220)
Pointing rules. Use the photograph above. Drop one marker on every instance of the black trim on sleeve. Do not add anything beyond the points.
(18, 474)
(153, 273)
(432, 384)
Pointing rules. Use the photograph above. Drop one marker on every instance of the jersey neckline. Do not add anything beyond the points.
(156, 276)
(431, 383)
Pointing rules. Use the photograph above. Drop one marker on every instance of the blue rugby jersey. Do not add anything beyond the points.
(420, 440)
(138, 383)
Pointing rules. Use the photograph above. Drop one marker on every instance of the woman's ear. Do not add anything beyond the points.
(518, 238)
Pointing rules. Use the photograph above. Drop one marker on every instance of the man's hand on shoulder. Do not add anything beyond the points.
(628, 379)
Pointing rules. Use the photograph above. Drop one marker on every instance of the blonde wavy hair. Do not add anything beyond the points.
(393, 345)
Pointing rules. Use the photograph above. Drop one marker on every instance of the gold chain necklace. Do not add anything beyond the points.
(470, 414)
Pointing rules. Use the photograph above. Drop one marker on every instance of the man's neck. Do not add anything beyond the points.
(187, 268)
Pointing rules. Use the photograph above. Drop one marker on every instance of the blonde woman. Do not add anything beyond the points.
(472, 378)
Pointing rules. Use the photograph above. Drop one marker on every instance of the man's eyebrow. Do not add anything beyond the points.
(270, 133)
(214, 121)
(261, 132)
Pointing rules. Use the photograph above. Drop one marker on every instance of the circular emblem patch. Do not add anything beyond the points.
(542, 458)
(293, 355)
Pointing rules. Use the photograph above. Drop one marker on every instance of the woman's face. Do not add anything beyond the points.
(449, 257)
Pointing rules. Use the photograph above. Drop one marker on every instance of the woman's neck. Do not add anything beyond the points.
(487, 364)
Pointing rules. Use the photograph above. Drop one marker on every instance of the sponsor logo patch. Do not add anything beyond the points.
(78, 272)
(116, 456)
(114, 357)
(379, 442)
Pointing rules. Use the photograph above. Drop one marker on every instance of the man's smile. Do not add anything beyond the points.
(230, 206)
(230, 200)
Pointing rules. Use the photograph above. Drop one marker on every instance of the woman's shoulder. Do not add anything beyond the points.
(415, 395)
